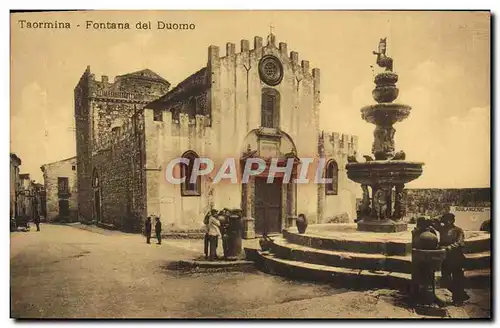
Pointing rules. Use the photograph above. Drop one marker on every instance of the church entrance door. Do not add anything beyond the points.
(268, 206)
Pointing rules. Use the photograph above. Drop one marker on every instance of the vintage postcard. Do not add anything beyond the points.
(237, 164)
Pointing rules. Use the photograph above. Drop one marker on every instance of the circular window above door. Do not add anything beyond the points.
(270, 70)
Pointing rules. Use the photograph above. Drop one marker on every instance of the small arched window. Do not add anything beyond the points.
(95, 179)
(270, 108)
(187, 187)
(332, 172)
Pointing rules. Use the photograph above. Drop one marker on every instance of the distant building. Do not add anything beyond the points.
(24, 201)
(61, 196)
(40, 201)
(261, 102)
(15, 184)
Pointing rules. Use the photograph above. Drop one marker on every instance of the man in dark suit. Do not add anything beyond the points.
(147, 229)
(158, 230)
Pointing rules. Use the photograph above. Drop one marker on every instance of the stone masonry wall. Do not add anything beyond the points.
(100, 106)
(121, 182)
(83, 147)
(436, 201)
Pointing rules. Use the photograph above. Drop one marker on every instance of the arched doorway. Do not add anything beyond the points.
(96, 187)
(269, 203)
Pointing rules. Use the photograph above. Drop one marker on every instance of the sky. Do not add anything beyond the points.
(442, 58)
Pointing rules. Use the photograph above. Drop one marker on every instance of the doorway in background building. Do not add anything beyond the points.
(267, 203)
(97, 205)
(63, 208)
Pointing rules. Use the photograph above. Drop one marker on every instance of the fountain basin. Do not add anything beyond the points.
(385, 113)
(385, 93)
(386, 78)
(384, 172)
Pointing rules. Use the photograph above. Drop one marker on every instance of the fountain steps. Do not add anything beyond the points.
(386, 247)
(356, 260)
(351, 278)
(349, 245)
(339, 254)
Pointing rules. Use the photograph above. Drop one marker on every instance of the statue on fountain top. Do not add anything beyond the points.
(382, 59)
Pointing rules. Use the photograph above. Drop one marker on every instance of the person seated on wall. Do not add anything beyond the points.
(452, 238)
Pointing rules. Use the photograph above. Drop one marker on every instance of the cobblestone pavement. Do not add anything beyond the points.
(76, 271)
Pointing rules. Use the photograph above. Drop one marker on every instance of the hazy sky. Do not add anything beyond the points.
(442, 58)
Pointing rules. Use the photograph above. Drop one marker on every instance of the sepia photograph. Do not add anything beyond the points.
(250, 164)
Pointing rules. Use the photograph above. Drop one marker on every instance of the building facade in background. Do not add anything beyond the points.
(15, 184)
(24, 201)
(261, 102)
(60, 203)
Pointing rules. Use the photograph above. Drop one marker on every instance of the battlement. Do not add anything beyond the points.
(258, 47)
(141, 86)
(339, 143)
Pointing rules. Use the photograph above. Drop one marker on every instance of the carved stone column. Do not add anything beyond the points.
(365, 203)
(248, 220)
(398, 202)
(383, 143)
(291, 199)
(373, 211)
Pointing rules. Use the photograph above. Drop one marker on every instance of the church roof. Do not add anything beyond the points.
(145, 74)
(194, 84)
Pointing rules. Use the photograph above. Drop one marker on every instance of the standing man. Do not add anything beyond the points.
(214, 234)
(158, 230)
(206, 241)
(36, 215)
(147, 229)
(452, 239)
(36, 219)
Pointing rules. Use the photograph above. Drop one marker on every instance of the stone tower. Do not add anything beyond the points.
(101, 108)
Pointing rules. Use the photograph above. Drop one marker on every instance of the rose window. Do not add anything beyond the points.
(271, 70)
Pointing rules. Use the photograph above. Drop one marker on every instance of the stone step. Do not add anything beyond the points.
(387, 247)
(477, 261)
(285, 250)
(354, 278)
(349, 245)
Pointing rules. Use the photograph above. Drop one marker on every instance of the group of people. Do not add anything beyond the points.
(216, 224)
(451, 239)
(148, 226)
(24, 221)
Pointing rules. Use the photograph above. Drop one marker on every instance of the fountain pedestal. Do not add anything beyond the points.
(384, 175)
(384, 180)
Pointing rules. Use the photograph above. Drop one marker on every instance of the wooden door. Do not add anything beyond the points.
(63, 208)
(267, 206)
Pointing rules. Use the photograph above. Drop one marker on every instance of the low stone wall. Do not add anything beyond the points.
(436, 201)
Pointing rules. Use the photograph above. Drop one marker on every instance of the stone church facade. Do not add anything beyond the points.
(260, 102)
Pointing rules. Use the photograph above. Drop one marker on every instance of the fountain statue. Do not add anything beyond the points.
(387, 171)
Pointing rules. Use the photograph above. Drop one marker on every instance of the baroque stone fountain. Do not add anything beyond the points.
(383, 176)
